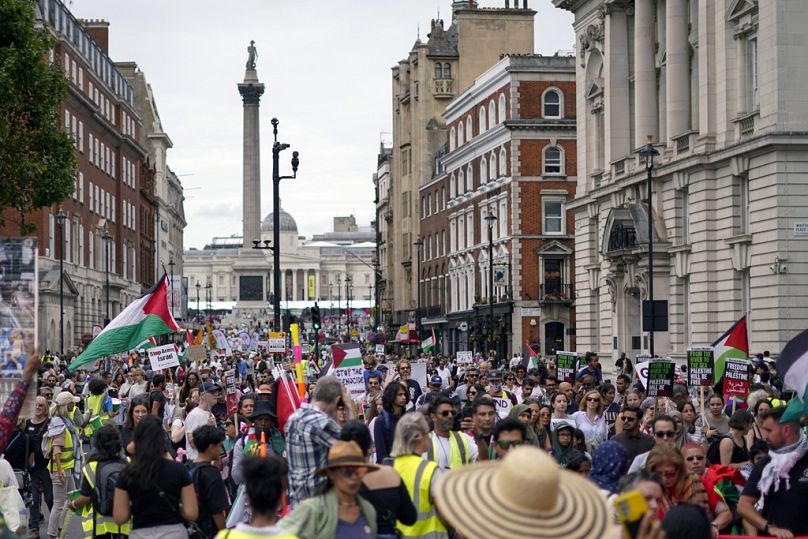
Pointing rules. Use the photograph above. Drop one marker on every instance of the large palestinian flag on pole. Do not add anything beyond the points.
(732, 344)
(147, 316)
(792, 365)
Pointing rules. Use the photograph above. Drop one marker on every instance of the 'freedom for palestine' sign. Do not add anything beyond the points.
(736, 378)
(700, 366)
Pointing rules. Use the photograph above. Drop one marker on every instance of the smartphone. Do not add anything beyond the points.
(630, 507)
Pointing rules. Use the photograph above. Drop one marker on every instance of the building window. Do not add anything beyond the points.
(483, 171)
(552, 160)
(460, 133)
(753, 71)
(469, 179)
(685, 205)
(551, 105)
(492, 114)
(501, 106)
(447, 71)
(469, 134)
(502, 162)
(452, 135)
(438, 70)
(481, 117)
(452, 187)
(553, 278)
(503, 218)
(492, 166)
(461, 183)
(553, 211)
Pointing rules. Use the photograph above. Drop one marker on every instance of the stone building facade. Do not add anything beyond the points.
(423, 83)
(718, 86)
(508, 176)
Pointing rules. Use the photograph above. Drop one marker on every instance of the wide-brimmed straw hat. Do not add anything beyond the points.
(345, 454)
(524, 495)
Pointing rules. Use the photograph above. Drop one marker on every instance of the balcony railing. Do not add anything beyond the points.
(433, 311)
(444, 88)
(556, 293)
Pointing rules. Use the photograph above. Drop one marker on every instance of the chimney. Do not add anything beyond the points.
(99, 31)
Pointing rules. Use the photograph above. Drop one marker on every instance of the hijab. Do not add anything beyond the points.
(516, 411)
(609, 463)
(563, 455)
(683, 437)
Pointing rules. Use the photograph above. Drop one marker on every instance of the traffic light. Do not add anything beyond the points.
(315, 317)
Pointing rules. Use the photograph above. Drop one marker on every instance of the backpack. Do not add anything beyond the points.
(714, 451)
(106, 478)
(46, 444)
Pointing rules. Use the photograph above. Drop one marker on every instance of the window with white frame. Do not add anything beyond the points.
(460, 134)
(81, 136)
(469, 179)
(81, 187)
(481, 117)
(501, 113)
(461, 183)
(503, 162)
(470, 229)
(492, 114)
(503, 218)
(452, 135)
(553, 215)
(552, 160)
(492, 166)
(453, 235)
(483, 170)
(452, 187)
(551, 104)
(461, 232)
(90, 249)
(469, 134)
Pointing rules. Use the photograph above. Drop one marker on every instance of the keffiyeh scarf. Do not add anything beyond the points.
(782, 460)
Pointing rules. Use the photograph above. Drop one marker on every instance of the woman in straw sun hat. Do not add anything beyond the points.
(527, 495)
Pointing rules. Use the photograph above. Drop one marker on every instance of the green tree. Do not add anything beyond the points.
(37, 158)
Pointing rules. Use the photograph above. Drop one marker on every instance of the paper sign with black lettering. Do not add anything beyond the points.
(736, 378)
(465, 358)
(379, 349)
(660, 378)
(163, 357)
(566, 363)
(230, 392)
(504, 406)
(700, 366)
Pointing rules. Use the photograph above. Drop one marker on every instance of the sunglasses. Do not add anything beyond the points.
(695, 458)
(592, 399)
(669, 473)
(544, 414)
(626, 418)
(507, 444)
(447, 413)
(472, 393)
(665, 434)
(352, 471)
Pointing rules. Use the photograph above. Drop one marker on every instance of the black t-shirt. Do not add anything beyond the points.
(157, 396)
(35, 432)
(784, 508)
(211, 493)
(391, 504)
(149, 507)
(219, 411)
(15, 452)
(414, 389)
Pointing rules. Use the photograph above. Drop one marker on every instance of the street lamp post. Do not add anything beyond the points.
(277, 148)
(171, 265)
(198, 286)
(208, 298)
(265, 247)
(60, 218)
(107, 237)
(339, 304)
(490, 220)
(348, 304)
(648, 152)
(419, 244)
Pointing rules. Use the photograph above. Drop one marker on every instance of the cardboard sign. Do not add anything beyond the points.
(736, 378)
(277, 342)
(353, 378)
(163, 357)
(700, 366)
(566, 363)
(197, 352)
(503, 406)
(465, 358)
(660, 378)
(379, 349)
(230, 392)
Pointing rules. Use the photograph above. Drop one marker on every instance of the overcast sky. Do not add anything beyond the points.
(326, 66)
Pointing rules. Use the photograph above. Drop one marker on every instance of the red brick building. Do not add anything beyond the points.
(114, 190)
(509, 173)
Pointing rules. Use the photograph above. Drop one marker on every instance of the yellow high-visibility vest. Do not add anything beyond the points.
(417, 474)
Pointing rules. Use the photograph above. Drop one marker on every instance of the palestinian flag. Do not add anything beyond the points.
(151, 342)
(732, 344)
(285, 397)
(428, 343)
(344, 355)
(530, 359)
(792, 365)
(147, 316)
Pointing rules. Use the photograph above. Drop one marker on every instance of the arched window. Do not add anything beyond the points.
(481, 116)
(552, 160)
(460, 134)
(492, 166)
(469, 178)
(483, 171)
(502, 112)
(452, 187)
(438, 70)
(503, 162)
(469, 131)
(492, 114)
(447, 71)
(551, 104)
(452, 136)
(461, 183)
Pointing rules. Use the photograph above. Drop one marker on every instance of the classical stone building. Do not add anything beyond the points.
(498, 202)
(423, 83)
(381, 186)
(719, 87)
(114, 196)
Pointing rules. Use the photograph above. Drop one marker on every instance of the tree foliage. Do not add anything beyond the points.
(37, 158)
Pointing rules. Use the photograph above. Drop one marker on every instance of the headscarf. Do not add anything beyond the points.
(516, 411)
(683, 437)
(563, 455)
(609, 463)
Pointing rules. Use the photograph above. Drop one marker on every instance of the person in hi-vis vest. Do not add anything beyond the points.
(449, 448)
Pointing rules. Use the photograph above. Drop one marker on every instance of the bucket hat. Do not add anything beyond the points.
(524, 495)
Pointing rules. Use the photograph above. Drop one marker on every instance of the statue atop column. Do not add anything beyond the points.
(252, 53)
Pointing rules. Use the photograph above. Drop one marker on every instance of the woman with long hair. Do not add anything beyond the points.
(680, 485)
(559, 404)
(691, 423)
(680, 432)
(473, 391)
(138, 409)
(35, 428)
(537, 422)
(732, 448)
(394, 402)
(589, 419)
(106, 452)
(153, 490)
(191, 382)
(66, 444)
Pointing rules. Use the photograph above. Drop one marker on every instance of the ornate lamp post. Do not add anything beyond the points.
(107, 237)
(60, 218)
(490, 219)
(647, 153)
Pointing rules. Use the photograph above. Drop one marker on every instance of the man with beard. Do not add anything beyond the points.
(451, 449)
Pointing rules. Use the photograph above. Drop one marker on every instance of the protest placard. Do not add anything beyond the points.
(163, 357)
(348, 368)
(504, 406)
(566, 363)
(379, 349)
(736, 378)
(700, 366)
(230, 392)
(277, 342)
(19, 299)
(465, 358)
(660, 378)
(196, 352)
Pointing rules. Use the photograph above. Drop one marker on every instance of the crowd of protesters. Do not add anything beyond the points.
(487, 449)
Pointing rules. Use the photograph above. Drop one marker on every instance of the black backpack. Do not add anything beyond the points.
(714, 450)
(106, 478)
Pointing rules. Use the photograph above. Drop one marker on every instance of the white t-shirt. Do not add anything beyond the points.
(197, 418)
(444, 447)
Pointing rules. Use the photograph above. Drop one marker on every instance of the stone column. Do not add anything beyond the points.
(616, 130)
(677, 81)
(294, 285)
(251, 91)
(645, 99)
